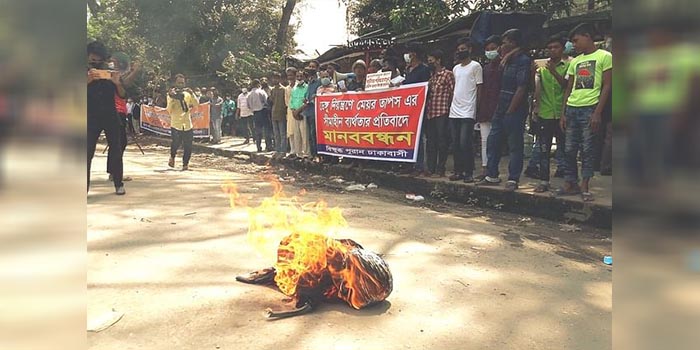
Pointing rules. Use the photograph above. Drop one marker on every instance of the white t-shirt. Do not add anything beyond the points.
(243, 105)
(464, 98)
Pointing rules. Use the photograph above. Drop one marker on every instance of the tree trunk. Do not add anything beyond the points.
(284, 25)
(94, 7)
(591, 5)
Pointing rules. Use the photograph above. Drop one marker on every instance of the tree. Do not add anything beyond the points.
(195, 37)
(284, 25)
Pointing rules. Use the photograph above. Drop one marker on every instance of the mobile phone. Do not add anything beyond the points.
(341, 84)
(103, 74)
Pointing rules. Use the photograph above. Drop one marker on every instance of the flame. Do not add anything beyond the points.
(300, 240)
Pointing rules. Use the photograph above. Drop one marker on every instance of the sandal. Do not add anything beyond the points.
(587, 196)
(560, 192)
(541, 188)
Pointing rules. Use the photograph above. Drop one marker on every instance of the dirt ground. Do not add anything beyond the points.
(167, 253)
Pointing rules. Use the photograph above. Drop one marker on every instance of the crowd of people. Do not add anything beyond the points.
(494, 97)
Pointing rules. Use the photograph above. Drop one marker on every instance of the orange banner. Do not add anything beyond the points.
(157, 120)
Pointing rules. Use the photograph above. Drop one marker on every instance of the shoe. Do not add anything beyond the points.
(541, 188)
(468, 179)
(532, 173)
(171, 162)
(247, 141)
(456, 177)
(511, 186)
(559, 173)
(120, 191)
(185, 168)
(480, 177)
(489, 181)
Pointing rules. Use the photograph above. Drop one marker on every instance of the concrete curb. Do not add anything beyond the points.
(551, 208)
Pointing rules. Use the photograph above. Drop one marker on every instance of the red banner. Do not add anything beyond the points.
(378, 125)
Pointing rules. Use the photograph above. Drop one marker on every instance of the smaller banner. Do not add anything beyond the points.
(157, 120)
(378, 125)
(377, 81)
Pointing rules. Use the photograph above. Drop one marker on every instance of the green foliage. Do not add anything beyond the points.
(208, 40)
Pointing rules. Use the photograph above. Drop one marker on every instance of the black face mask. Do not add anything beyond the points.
(310, 72)
(461, 55)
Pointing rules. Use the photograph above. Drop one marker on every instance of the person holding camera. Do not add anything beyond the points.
(102, 87)
(180, 101)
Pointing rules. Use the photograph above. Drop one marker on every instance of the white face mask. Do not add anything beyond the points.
(491, 55)
(407, 57)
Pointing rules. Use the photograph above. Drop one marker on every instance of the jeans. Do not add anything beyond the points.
(262, 128)
(420, 157)
(114, 156)
(216, 129)
(437, 136)
(512, 127)
(559, 155)
(279, 129)
(123, 120)
(184, 138)
(246, 127)
(550, 129)
(579, 137)
(463, 138)
(311, 127)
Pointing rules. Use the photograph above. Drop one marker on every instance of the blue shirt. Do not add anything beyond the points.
(310, 110)
(515, 74)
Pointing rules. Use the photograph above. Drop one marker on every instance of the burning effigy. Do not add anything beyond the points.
(309, 265)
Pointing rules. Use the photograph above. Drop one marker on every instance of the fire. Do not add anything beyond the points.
(300, 240)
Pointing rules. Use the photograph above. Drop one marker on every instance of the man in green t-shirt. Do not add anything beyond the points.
(589, 84)
(549, 99)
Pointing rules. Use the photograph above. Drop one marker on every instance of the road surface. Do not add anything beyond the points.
(166, 254)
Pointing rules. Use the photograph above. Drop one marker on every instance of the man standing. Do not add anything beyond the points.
(300, 135)
(417, 72)
(244, 115)
(309, 112)
(549, 99)
(490, 89)
(279, 114)
(181, 100)
(228, 110)
(440, 91)
(257, 99)
(467, 93)
(215, 116)
(102, 113)
(589, 85)
(357, 82)
(511, 112)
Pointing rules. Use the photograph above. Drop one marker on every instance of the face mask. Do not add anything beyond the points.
(310, 72)
(407, 57)
(462, 55)
(325, 81)
(569, 48)
(110, 65)
(491, 55)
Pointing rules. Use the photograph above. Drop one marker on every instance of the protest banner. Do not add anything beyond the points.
(377, 81)
(377, 125)
(157, 120)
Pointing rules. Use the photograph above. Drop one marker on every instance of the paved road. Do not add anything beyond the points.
(464, 278)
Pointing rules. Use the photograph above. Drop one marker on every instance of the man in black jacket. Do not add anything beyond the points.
(102, 86)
